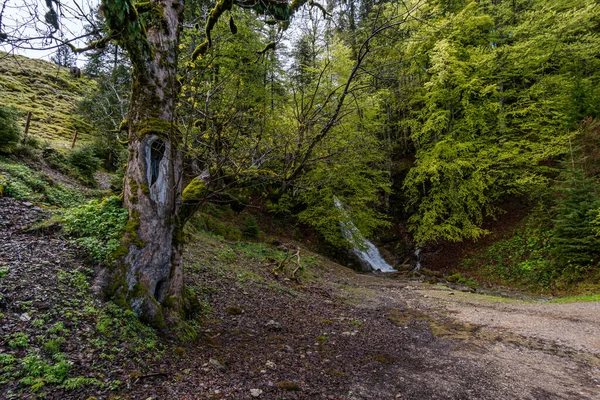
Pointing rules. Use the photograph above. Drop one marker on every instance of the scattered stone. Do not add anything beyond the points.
(234, 310)
(270, 365)
(273, 325)
(25, 317)
(217, 364)
(255, 392)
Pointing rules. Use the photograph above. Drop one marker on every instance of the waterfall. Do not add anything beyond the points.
(418, 257)
(370, 256)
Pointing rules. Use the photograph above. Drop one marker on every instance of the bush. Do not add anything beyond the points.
(85, 161)
(250, 227)
(10, 132)
(97, 226)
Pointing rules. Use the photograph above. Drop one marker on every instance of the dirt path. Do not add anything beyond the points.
(573, 326)
(537, 350)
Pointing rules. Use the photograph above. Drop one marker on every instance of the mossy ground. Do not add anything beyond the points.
(49, 92)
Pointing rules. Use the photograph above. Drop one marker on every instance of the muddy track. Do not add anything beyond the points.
(534, 350)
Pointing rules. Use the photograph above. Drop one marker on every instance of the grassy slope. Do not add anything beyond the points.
(48, 91)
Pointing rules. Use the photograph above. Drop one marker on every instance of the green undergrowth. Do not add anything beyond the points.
(49, 352)
(24, 183)
(248, 262)
(49, 93)
(96, 226)
(577, 299)
(524, 260)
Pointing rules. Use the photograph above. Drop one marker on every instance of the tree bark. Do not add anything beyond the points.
(149, 276)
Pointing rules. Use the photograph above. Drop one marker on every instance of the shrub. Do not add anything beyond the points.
(250, 227)
(85, 161)
(10, 132)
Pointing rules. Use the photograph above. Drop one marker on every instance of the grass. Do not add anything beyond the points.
(49, 92)
(23, 183)
(576, 299)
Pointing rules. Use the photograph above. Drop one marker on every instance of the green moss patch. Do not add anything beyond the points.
(49, 93)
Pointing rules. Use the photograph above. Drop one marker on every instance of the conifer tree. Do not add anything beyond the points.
(576, 246)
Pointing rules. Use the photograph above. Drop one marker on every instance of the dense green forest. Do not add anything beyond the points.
(431, 116)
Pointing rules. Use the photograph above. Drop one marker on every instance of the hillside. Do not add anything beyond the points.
(49, 92)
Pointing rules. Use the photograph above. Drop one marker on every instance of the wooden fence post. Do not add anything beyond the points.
(74, 140)
(27, 122)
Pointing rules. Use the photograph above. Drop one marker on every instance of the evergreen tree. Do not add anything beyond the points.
(576, 246)
(64, 57)
(10, 132)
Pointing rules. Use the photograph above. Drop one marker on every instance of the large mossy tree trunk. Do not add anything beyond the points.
(148, 277)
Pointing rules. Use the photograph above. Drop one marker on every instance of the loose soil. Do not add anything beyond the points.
(330, 334)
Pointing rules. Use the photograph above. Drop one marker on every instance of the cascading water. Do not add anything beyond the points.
(418, 257)
(370, 256)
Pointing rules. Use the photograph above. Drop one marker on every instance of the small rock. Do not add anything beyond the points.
(255, 392)
(25, 317)
(27, 204)
(217, 364)
(288, 348)
(273, 325)
(234, 310)
(288, 385)
(270, 365)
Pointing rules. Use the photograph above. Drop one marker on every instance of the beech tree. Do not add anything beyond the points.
(148, 276)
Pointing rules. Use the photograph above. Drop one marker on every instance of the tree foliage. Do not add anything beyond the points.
(487, 92)
(10, 131)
